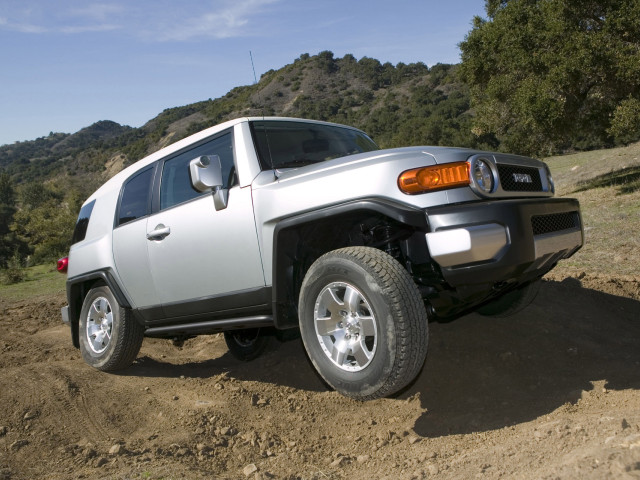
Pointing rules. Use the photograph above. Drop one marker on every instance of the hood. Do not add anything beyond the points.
(411, 157)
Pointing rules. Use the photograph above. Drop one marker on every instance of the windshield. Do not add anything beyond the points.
(284, 144)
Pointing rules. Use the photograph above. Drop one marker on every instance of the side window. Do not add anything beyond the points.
(80, 231)
(134, 202)
(176, 188)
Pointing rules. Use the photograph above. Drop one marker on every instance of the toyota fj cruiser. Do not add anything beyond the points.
(262, 223)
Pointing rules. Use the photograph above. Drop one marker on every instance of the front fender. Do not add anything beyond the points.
(286, 280)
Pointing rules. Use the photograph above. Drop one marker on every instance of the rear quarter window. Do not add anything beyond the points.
(135, 198)
(80, 231)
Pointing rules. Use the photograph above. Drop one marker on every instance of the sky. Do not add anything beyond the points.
(66, 64)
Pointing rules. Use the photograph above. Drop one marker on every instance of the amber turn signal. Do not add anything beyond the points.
(435, 177)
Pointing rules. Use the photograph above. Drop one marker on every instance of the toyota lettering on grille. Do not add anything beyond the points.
(522, 178)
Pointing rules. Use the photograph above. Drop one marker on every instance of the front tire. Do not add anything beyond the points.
(110, 338)
(363, 322)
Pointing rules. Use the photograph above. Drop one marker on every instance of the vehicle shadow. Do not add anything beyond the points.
(284, 364)
(485, 373)
(481, 373)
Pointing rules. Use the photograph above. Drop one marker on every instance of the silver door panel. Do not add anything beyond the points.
(132, 263)
(207, 252)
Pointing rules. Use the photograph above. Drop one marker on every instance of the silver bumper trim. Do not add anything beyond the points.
(565, 241)
(467, 245)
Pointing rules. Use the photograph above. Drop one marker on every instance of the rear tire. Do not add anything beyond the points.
(247, 344)
(110, 338)
(363, 322)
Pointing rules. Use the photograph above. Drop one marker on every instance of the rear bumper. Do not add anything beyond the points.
(508, 241)
(65, 315)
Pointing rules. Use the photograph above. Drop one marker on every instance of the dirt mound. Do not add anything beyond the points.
(552, 393)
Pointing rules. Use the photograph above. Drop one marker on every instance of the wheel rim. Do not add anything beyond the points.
(99, 325)
(345, 326)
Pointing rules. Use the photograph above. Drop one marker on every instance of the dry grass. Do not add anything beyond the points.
(575, 171)
(607, 183)
(40, 280)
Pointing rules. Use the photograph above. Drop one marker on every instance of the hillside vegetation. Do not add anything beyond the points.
(538, 77)
(396, 105)
(44, 182)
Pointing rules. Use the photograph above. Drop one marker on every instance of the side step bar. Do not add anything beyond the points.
(210, 326)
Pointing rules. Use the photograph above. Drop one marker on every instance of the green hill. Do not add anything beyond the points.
(43, 182)
(396, 104)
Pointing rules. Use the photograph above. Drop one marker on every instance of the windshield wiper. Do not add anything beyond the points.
(299, 162)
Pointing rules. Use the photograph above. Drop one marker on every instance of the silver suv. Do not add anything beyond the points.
(268, 224)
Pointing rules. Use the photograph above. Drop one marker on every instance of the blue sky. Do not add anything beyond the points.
(65, 64)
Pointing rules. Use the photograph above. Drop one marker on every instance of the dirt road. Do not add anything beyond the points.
(553, 393)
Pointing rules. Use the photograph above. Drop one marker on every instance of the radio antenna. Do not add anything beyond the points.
(255, 78)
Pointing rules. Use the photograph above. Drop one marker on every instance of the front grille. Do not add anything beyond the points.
(555, 222)
(515, 178)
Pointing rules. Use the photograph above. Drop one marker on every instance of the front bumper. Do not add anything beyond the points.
(507, 241)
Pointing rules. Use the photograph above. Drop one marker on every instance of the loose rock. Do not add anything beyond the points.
(116, 449)
(30, 415)
(249, 470)
(18, 444)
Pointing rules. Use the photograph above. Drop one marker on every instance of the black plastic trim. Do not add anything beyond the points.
(76, 293)
(108, 277)
(251, 302)
(211, 326)
(402, 213)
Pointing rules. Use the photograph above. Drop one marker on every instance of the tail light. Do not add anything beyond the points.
(63, 265)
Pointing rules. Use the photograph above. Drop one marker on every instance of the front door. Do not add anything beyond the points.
(202, 259)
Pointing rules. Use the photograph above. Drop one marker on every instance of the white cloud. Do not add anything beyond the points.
(24, 27)
(48, 18)
(231, 19)
(97, 11)
(89, 28)
(157, 20)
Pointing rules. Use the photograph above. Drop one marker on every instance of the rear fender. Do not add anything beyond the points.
(77, 289)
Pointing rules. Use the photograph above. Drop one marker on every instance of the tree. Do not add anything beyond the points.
(47, 229)
(10, 245)
(45, 221)
(36, 194)
(547, 75)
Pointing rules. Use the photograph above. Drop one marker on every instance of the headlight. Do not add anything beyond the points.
(483, 175)
(552, 186)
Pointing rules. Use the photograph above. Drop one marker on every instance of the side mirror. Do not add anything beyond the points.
(206, 174)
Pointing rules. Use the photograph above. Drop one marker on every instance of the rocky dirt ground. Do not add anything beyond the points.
(553, 393)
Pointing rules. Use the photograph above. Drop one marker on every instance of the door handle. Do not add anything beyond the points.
(159, 233)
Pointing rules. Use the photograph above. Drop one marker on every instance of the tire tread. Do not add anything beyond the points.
(407, 309)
